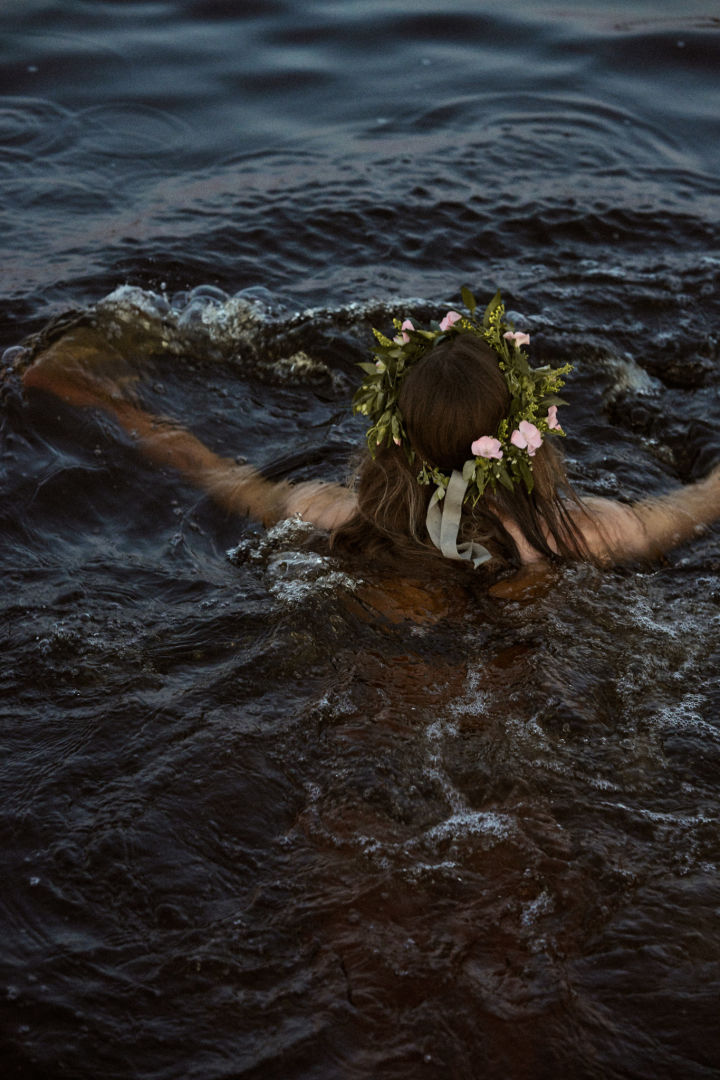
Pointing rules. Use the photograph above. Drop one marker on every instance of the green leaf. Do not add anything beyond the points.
(505, 479)
(468, 299)
(494, 303)
(521, 364)
(525, 471)
(468, 472)
(370, 369)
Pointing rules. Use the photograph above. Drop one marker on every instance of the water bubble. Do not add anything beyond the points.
(13, 354)
(209, 293)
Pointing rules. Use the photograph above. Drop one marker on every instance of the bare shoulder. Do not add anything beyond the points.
(614, 531)
(527, 553)
(325, 505)
(611, 530)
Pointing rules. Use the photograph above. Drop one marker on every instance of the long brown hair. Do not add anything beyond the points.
(453, 395)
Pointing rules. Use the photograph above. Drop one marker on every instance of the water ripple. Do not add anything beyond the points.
(31, 126)
(127, 130)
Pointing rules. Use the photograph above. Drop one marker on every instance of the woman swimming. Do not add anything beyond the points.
(459, 463)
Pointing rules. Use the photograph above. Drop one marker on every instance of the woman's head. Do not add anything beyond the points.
(455, 394)
(452, 396)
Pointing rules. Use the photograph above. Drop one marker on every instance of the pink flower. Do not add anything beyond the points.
(517, 337)
(397, 441)
(403, 338)
(487, 447)
(451, 318)
(552, 420)
(526, 437)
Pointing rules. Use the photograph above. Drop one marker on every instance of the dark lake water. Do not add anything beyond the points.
(264, 815)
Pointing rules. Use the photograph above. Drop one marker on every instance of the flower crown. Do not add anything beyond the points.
(503, 457)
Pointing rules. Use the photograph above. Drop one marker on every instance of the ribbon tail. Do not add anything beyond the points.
(443, 524)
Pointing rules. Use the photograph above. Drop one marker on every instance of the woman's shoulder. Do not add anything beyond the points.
(325, 505)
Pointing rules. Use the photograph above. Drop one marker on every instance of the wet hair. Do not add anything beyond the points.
(455, 394)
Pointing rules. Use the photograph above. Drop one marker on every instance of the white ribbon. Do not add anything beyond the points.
(443, 524)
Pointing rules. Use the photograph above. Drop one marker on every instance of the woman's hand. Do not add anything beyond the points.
(83, 369)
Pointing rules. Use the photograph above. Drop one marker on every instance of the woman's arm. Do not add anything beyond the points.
(70, 369)
(615, 532)
(240, 489)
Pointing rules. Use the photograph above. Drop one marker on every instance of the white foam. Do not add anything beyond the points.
(488, 824)
(534, 909)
